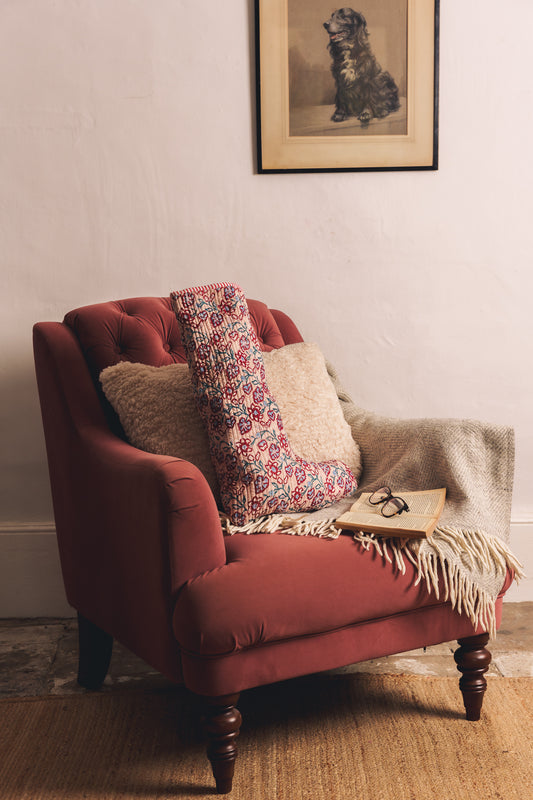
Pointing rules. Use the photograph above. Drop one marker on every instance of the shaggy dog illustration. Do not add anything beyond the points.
(364, 90)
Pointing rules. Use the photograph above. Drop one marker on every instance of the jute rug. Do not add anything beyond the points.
(342, 737)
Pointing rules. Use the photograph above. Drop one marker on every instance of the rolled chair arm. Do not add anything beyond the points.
(145, 497)
(132, 527)
(145, 524)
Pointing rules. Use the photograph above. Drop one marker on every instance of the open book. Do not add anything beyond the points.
(420, 521)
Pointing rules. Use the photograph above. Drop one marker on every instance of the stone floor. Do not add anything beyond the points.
(39, 656)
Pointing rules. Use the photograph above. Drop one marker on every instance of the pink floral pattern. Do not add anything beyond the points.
(258, 471)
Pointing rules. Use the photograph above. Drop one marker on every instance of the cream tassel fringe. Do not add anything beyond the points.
(294, 526)
(470, 550)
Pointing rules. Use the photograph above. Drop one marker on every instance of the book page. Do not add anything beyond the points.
(402, 521)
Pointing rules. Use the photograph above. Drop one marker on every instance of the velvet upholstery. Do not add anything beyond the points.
(132, 527)
(141, 548)
(143, 554)
(144, 329)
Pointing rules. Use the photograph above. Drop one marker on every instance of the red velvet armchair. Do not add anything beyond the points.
(145, 561)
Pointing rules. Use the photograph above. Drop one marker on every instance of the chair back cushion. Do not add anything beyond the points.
(145, 330)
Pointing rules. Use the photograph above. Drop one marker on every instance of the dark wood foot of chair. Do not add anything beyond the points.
(95, 647)
(473, 659)
(222, 721)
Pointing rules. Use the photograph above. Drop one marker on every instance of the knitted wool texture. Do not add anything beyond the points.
(257, 469)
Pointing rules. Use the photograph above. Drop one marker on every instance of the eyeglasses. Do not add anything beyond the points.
(392, 505)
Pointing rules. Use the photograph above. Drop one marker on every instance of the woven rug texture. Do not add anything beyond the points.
(340, 737)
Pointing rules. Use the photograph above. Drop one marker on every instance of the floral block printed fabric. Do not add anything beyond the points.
(259, 474)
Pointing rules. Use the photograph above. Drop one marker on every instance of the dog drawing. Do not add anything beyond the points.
(364, 90)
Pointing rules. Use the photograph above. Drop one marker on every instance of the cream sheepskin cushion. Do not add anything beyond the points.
(157, 410)
(312, 415)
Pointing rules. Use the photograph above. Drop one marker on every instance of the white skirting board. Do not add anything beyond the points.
(31, 583)
(30, 574)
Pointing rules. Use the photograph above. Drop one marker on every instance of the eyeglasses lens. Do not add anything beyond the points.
(380, 495)
(393, 506)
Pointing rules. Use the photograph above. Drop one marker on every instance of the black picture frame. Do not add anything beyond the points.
(297, 93)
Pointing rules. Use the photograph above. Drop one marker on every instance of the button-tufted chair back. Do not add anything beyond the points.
(144, 329)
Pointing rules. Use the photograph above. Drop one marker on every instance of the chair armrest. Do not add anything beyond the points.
(105, 489)
(145, 497)
(142, 525)
(132, 527)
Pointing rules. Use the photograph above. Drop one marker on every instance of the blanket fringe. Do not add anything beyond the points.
(476, 549)
(294, 526)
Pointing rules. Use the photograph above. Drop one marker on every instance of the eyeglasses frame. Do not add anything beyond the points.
(390, 496)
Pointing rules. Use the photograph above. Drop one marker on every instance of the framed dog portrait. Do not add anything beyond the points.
(342, 89)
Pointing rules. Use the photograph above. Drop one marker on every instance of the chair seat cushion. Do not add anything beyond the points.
(276, 587)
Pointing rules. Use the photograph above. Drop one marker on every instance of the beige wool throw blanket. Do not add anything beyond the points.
(473, 460)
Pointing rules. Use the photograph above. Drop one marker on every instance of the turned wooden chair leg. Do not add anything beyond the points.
(95, 647)
(473, 659)
(222, 721)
